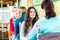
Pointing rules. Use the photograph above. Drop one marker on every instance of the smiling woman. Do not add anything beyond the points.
(27, 25)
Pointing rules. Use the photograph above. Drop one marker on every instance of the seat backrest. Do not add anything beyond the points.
(49, 36)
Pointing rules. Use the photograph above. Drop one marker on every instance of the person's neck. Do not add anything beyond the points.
(31, 19)
(43, 16)
(19, 16)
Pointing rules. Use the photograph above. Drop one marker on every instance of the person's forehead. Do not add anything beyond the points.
(32, 10)
(15, 9)
(22, 9)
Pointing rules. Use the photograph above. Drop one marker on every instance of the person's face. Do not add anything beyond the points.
(43, 12)
(22, 10)
(15, 12)
(32, 13)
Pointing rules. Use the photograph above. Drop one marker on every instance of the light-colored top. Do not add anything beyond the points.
(46, 26)
(22, 32)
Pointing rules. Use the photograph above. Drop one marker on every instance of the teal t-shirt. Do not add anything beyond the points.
(46, 26)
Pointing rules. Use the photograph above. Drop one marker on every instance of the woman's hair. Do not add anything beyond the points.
(49, 8)
(28, 22)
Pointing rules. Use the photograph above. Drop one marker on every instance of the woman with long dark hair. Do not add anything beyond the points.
(50, 23)
(30, 20)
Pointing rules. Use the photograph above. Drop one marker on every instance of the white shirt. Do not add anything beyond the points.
(22, 32)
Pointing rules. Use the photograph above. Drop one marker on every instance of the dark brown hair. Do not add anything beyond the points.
(22, 7)
(49, 8)
(14, 8)
(28, 20)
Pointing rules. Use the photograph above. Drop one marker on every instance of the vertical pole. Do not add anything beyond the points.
(30, 3)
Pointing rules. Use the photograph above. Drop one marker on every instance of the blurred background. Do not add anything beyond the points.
(6, 12)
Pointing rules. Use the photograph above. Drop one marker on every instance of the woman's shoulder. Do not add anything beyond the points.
(40, 20)
(57, 18)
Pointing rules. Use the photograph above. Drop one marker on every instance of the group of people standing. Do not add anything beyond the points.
(24, 23)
